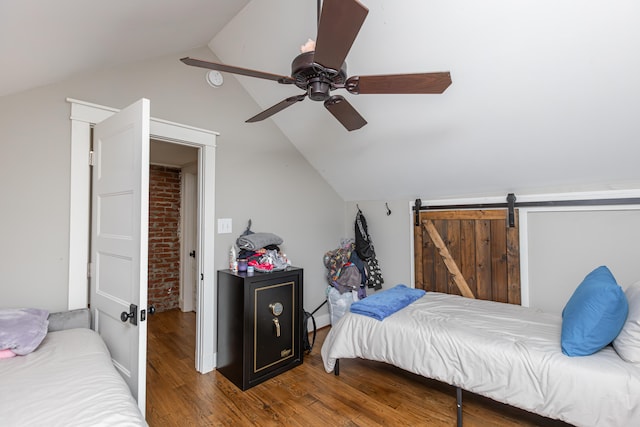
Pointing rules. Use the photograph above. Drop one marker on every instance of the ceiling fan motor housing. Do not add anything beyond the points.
(317, 80)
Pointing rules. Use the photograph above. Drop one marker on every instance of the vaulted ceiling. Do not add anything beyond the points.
(545, 94)
(43, 42)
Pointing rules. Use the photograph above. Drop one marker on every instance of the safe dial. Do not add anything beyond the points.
(276, 308)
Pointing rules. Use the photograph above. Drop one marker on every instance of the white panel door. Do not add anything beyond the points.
(189, 216)
(119, 235)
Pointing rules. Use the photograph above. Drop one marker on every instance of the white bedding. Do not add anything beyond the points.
(506, 352)
(68, 381)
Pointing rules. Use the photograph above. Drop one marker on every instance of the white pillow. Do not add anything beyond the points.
(627, 343)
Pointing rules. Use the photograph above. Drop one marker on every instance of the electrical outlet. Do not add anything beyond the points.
(224, 225)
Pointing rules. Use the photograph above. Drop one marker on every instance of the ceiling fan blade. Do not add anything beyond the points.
(237, 70)
(277, 108)
(339, 25)
(344, 112)
(399, 83)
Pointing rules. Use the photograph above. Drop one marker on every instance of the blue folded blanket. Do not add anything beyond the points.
(387, 302)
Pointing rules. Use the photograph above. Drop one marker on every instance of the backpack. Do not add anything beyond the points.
(364, 247)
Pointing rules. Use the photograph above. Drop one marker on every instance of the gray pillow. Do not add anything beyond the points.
(80, 318)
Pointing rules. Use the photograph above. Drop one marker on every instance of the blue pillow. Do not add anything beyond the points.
(594, 315)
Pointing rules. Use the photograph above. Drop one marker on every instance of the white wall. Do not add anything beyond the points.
(565, 246)
(34, 183)
(259, 174)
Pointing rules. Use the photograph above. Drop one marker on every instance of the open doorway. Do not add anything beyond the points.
(172, 266)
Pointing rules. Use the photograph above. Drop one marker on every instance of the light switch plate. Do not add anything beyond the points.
(224, 225)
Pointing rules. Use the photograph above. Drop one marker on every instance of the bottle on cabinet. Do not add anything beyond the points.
(233, 261)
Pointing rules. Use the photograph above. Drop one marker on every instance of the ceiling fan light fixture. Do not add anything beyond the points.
(214, 78)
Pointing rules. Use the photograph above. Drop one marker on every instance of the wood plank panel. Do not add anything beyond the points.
(498, 244)
(428, 261)
(431, 260)
(452, 243)
(442, 275)
(484, 249)
(513, 262)
(468, 254)
(483, 259)
(453, 273)
(464, 214)
(417, 257)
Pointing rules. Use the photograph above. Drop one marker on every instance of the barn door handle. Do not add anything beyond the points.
(131, 316)
(277, 323)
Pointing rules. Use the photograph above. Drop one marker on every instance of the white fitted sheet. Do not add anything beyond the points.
(506, 352)
(69, 380)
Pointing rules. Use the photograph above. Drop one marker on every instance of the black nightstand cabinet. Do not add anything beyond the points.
(259, 325)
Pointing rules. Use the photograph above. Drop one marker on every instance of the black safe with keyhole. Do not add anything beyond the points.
(259, 324)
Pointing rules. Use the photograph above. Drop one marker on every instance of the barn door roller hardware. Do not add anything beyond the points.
(511, 202)
(511, 205)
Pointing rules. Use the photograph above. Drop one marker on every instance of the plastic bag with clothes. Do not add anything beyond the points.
(339, 304)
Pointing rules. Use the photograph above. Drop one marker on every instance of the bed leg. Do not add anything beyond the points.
(336, 368)
(459, 405)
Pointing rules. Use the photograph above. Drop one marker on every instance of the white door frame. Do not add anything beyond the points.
(83, 116)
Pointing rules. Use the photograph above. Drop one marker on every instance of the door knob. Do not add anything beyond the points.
(131, 316)
(143, 314)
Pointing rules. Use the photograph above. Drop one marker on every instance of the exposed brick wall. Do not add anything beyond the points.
(164, 237)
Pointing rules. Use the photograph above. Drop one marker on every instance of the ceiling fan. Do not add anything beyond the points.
(322, 69)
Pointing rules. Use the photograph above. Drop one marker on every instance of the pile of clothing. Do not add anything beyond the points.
(345, 270)
(351, 269)
(262, 251)
(353, 265)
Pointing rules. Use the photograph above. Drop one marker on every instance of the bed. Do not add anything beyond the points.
(506, 352)
(68, 380)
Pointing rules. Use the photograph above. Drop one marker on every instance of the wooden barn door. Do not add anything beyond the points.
(468, 252)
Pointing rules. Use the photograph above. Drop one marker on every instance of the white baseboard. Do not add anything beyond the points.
(321, 321)
(209, 363)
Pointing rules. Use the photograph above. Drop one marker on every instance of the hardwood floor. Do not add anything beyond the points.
(365, 394)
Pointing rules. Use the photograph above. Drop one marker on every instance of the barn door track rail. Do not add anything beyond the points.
(511, 205)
